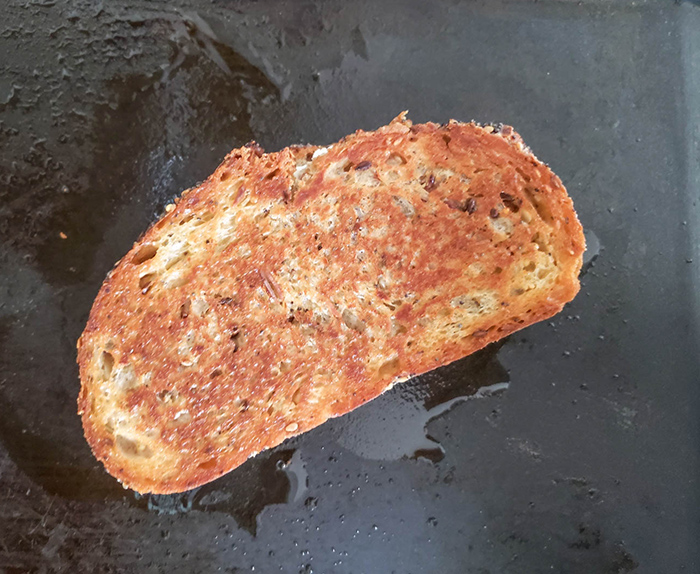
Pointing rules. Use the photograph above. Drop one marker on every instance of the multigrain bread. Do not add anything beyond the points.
(292, 287)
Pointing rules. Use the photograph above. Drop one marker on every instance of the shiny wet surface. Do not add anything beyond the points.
(571, 447)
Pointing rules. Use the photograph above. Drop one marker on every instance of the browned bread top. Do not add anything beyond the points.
(294, 286)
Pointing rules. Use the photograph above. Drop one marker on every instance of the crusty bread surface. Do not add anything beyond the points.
(292, 287)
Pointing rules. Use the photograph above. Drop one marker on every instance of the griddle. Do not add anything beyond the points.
(572, 446)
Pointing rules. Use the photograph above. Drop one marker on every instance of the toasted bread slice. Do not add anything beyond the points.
(292, 287)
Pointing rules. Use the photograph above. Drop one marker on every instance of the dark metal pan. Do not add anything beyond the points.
(573, 446)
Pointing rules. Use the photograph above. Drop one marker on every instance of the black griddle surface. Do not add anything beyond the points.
(573, 446)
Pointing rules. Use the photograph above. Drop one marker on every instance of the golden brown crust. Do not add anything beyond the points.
(294, 286)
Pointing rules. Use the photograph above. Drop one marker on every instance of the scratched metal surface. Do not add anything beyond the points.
(571, 447)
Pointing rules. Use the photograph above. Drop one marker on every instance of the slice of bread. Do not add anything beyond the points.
(294, 286)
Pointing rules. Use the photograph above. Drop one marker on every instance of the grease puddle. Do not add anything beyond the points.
(295, 469)
(592, 251)
(395, 425)
(274, 477)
